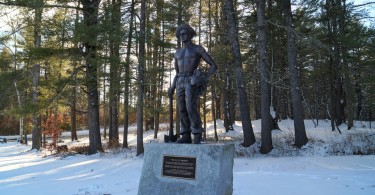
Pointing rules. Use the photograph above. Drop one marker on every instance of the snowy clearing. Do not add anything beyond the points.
(311, 170)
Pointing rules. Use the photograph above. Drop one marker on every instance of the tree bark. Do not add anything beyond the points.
(21, 129)
(141, 78)
(227, 88)
(249, 137)
(347, 73)
(265, 90)
(299, 125)
(156, 72)
(161, 60)
(36, 132)
(127, 78)
(213, 95)
(331, 26)
(73, 108)
(115, 40)
(73, 117)
(337, 62)
(90, 17)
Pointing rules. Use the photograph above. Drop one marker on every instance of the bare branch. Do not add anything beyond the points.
(365, 4)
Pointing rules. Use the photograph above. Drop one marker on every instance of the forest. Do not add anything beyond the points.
(90, 64)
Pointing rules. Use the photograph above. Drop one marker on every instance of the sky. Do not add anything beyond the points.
(370, 9)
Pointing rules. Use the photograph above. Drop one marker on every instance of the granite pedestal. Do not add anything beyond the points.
(187, 169)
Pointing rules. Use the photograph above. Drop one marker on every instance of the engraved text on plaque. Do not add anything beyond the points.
(179, 167)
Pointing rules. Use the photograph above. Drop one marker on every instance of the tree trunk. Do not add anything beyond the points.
(213, 111)
(104, 104)
(17, 91)
(156, 72)
(265, 90)
(249, 137)
(337, 62)
(115, 40)
(73, 117)
(227, 87)
(161, 60)
(127, 78)
(141, 78)
(73, 108)
(213, 95)
(347, 73)
(37, 132)
(299, 125)
(90, 17)
(331, 25)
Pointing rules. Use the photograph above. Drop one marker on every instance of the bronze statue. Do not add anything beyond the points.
(190, 82)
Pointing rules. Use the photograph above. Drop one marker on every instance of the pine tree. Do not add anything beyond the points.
(249, 137)
(115, 40)
(127, 77)
(141, 69)
(298, 114)
(37, 132)
(266, 146)
(89, 49)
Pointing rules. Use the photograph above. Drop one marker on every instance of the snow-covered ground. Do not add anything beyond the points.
(324, 166)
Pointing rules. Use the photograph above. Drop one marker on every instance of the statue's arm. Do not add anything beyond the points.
(208, 59)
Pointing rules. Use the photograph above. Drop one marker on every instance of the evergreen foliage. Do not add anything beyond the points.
(81, 49)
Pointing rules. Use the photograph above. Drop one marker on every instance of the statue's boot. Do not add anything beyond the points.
(185, 139)
(197, 138)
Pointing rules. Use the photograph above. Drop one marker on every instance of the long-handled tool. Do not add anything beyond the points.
(170, 137)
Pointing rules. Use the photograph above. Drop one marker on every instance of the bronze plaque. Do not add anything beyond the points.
(179, 167)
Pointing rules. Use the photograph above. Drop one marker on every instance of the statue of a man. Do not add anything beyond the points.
(189, 82)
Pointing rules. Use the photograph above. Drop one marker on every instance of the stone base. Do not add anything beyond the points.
(196, 169)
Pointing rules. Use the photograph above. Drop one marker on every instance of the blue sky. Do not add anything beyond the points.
(370, 9)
